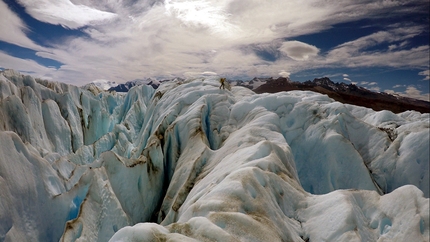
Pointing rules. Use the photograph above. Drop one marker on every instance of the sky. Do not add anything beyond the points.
(382, 45)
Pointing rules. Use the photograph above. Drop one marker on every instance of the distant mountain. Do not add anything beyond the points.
(102, 84)
(348, 93)
(345, 93)
(124, 87)
(252, 84)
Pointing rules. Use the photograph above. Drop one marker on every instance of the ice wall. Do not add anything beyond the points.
(191, 162)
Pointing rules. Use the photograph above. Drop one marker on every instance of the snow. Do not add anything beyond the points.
(147, 81)
(103, 84)
(252, 84)
(255, 83)
(125, 87)
(191, 162)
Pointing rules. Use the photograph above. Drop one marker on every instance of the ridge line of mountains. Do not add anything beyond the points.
(341, 92)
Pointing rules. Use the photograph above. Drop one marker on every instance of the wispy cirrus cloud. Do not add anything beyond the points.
(357, 54)
(14, 30)
(30, 66)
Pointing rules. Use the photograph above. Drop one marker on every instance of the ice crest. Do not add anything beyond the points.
(192, 162)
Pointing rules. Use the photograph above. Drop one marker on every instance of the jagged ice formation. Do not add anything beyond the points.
(191, 162)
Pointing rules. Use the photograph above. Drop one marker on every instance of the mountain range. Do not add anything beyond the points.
(347, 93)
(341, 92)
(125, 87)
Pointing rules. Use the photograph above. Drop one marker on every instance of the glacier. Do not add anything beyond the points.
(191, 162)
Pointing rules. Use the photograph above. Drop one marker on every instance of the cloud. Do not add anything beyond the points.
(412, 58)
(65, 13)
(397, 86)
(30, 66)
(359, 53)
(375, 89)
(202, 15)
(425, 73)
(13, 30)
(284, 73)
(345, 75)
(389, 36)
(297, 50)
(369, 83)
(411, 92)
(397, 46)
(209, 73)
(347, 79)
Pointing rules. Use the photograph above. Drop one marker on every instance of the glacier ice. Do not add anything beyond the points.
(191, 162)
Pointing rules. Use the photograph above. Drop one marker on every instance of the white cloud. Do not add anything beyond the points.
(392, 47)
(202, 15)
(393, 35)
(13, 30)
(397, 86)
(284, 73)
(209, 73)
(397, 46)
(369, 84)
(65, 13)
(375, 89)
(411, 92)
(297, 50)
(345, 75)
(347, 79)
(426, 74)
(25, 66)
(356, 53)
(412, 58)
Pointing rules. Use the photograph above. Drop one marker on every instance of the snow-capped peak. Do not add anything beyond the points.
(146, 81)
(102, 84)
(124, 87)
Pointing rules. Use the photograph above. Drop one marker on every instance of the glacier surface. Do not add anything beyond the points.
(191, 162)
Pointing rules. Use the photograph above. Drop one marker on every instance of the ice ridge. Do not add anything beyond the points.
(192, 162)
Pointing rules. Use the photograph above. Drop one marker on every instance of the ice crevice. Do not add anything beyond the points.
(192, 162)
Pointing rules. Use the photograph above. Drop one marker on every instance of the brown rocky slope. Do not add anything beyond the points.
(347, 93)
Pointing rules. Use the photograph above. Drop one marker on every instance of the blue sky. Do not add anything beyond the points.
(378, 44)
